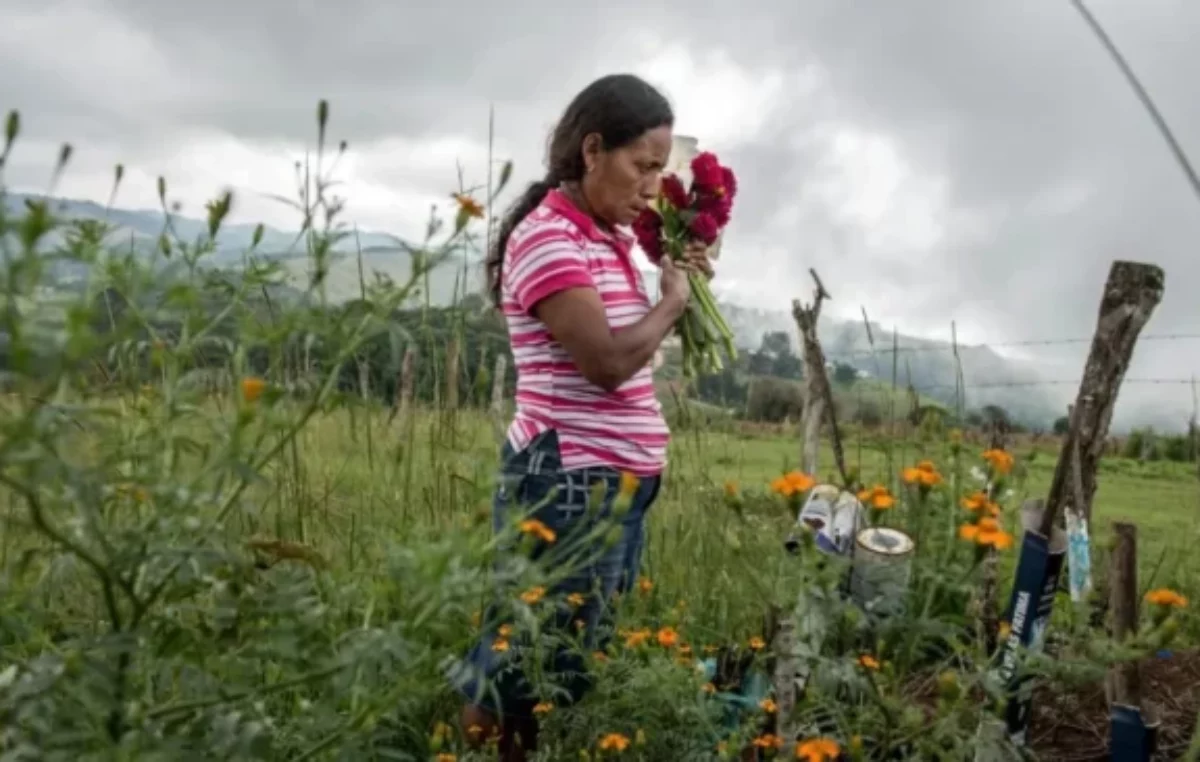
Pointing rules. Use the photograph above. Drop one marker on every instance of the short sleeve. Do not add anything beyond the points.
(544, 262)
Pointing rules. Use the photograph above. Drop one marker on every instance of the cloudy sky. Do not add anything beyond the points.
(981, 162)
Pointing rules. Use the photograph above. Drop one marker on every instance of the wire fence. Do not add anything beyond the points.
(904, 376)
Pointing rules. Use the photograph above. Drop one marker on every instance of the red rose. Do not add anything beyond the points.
(647, 228)
(729, 180)
(707, 174)
(704, 226)
(718, 206)
(674, 192)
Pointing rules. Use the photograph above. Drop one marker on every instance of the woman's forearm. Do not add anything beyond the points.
(607, 358)
(634, 347)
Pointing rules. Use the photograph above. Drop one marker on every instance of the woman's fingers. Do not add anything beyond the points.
(696, 257)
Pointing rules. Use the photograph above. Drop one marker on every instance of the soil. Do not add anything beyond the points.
(1073, 725)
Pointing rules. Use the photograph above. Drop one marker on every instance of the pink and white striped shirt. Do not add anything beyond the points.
(555, 248)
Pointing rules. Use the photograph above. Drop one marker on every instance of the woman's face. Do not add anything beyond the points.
(622, 182)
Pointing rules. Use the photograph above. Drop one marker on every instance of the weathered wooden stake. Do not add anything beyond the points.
(404, 391)
(818, 395)
(784, 679)
(501, 367)
(452, 352)
(1125, 682)
(364, 379)
(496, 409)
(1132, 292)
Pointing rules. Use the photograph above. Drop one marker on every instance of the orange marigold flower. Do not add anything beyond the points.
(978, 502)
(575, 600)
(667, 637)
(504, 631)
(793, 483)
(924, 474)
(614, 742)
(445, 757)
(543, 707)
(709, 688)
(998, 539)
(731, 489)
(877, 497)
(968, 532)
(637, 638)
(818, 750)
(468, 206)
(535, 528)
(533, 595)
(974, 501)
(768, 705)
(500, 645)
(1167, 598)
(252, 388)
(866, 661)
(1001, 461)
(645, 585)
(768, 741)
(988, 524)
(1003, 630)
(757, 644)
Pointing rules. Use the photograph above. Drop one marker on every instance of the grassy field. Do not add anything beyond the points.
(359, 465)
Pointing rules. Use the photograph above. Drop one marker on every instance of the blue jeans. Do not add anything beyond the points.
(576, 506)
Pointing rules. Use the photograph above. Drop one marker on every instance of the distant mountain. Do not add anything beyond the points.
(146, 225)
(929, 365)
(381, 252)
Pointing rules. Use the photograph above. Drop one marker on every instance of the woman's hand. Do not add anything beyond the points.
(673, 283)
(695, 258)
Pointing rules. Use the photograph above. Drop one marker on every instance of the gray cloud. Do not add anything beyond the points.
(1030, 160)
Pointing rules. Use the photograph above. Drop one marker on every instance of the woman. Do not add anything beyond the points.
(583, 333)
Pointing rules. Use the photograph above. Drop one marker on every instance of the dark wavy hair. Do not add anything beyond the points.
(620, 108)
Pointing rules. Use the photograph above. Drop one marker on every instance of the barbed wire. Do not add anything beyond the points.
(888, 350)
(1050, 382)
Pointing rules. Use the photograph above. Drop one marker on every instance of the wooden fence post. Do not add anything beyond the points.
(1133, 724)
(1131, 293)
(818, 395)
(452, 353)
(1125, 684)
(404, 390)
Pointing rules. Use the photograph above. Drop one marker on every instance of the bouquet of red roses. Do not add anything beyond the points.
(682, 215)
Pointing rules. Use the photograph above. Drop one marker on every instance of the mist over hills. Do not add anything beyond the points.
(928, 364)
(381, 252)
(1019, 386)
